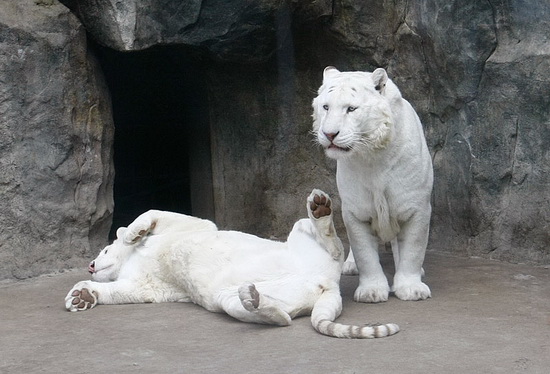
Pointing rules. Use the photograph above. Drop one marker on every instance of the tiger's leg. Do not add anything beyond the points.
(247, 305)
(87, 294)
(412, 242)
(349, 267)
(160, 222)
(319, 209)
(395, 252)
(139, 228)
(263, 306)
(373, 284)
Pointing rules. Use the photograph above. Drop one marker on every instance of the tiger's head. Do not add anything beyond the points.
(106, 266)
(352, 112)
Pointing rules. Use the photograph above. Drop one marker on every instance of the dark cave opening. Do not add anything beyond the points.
(162, 139)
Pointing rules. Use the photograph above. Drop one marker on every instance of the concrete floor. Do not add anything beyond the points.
(484, 317)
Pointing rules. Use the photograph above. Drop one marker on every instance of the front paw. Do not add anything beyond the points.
(372, 293)
(411, 290)
(80, 298)
(138, 230)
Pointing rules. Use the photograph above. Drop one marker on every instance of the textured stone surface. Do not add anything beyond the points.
(55, 142)
(230, 29)
(477, 73)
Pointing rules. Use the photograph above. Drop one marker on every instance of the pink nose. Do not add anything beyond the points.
(331, 136)
(91, 267)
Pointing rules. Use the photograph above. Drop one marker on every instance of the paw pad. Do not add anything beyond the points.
(254, 295)
(250, 297)
(83, 299)
(320, 206)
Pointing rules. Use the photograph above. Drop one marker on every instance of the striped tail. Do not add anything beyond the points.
(339, 330)
(329, 306)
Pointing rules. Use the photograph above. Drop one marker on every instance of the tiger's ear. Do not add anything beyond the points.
(120, 232)
(380, 77)
(329, 72)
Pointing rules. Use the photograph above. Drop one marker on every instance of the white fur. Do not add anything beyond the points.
(384, 176)
(169, 257)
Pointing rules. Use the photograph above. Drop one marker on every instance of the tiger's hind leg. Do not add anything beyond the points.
(263, 306)
(319, 208)
(247, 305)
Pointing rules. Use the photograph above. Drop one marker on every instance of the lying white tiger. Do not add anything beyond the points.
(170, 257)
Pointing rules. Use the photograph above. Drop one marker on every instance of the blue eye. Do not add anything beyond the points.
(351, 109)
(325, 107)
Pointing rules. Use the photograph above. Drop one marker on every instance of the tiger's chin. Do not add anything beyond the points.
(336, 152)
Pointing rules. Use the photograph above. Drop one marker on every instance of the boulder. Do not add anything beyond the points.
(230, 29)
(55, 142)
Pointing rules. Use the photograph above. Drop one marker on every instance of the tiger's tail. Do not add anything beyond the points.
(329, 306)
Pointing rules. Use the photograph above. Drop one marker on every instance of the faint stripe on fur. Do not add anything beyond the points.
(339, 330)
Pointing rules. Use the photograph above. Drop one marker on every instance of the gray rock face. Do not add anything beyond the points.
(477, 75)
(509, 133)
(55, 142)
(232, 30)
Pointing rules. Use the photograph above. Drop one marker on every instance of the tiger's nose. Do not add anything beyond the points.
(91, 267)
(331, 136)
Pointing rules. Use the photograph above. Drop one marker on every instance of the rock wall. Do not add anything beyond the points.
(55, 142)
(477, 73)
(474, 72)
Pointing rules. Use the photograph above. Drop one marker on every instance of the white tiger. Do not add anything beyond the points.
(170, 257)
(384, 176)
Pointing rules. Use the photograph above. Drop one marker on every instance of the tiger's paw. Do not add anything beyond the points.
(250, 297)
(319, 204)
(349, 268)
(80, 298)
(138, 230)
(410, 289)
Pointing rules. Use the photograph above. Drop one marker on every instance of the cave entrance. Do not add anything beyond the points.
(162, 138)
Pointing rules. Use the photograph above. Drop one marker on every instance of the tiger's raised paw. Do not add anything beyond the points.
(319, 204)
(138, 230)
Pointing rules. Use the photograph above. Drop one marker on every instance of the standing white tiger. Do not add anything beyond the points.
(384, 176)
(163, 257)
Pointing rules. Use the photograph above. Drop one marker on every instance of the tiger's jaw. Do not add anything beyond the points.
(336, 152)
(107, 273)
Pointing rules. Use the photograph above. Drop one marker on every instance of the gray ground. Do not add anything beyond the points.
(484, 317)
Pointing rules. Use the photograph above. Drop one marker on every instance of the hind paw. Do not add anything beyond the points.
(349, 268)
(268, 312)
(250, 297)
(319, 204)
